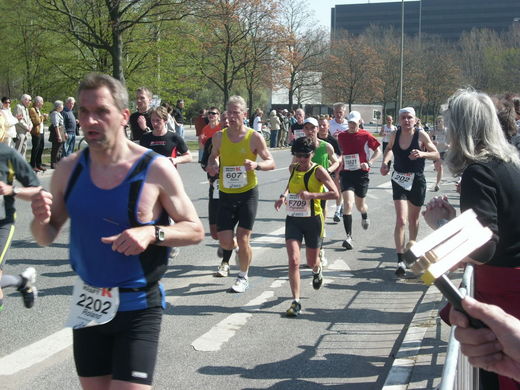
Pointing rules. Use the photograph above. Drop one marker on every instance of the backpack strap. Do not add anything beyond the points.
(306, 179)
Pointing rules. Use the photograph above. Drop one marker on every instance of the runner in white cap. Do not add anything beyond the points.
(407, 147)
(355, 145)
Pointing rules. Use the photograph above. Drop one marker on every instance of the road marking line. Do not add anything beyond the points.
(35, 353)
(387, 184)
(223, 331)
(220, 333)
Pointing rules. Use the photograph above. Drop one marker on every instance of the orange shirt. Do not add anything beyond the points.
(208, 131)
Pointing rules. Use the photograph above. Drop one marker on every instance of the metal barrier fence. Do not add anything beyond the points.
(458, 374)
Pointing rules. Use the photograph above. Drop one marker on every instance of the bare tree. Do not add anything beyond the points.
(353, 71)
(301, 50)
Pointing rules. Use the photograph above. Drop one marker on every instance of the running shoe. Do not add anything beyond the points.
(317, 279)
(28, 291)
(401, 269)
(241, 285)
(436, 188)
(347, 244)
(220, 252)
(365, 223)
(337, 216)
(294, 310)
(223, 270)
(323, 259)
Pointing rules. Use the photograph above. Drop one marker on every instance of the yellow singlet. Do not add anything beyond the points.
(233, 178)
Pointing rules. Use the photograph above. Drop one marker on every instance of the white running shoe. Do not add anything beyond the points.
(29, 275)
(223, 270)
(241, 285)
(27, 289)
(365, 223)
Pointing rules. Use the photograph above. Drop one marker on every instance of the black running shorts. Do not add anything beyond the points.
(356, 181)
(125, 348)
(237, 208)
(308, 228)
(416, 195)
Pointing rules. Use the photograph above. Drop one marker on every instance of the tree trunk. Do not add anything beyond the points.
(117, 46)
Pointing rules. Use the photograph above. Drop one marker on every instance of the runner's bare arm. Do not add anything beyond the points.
(48, 208)
(333, 159)
(182, 158)
(324, 177)
(431, 153)
(259, 147)
(188, 229)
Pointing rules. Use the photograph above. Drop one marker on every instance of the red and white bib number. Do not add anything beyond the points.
(92, 306)
(405, 180)
(351, 162)
(297, 207)
(235, 176)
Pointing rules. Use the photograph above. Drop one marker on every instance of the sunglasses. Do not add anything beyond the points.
(213, 113)
(301, 155)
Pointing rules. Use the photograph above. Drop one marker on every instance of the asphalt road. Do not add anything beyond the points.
(345, 338)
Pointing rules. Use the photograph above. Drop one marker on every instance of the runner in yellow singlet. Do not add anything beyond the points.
(237, 148)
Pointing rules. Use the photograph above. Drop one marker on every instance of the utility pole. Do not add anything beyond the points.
(402, 57)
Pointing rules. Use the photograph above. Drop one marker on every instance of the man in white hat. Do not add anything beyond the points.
(409, 148)
(356, 161)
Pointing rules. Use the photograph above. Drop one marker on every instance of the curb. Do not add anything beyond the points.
(406, 357)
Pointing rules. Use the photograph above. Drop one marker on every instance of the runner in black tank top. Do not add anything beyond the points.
(407, 147)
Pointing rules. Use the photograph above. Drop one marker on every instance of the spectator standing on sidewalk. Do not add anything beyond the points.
(490, 170)
(24, 125)
(71, 125)
(140, 122)
(56, 133)
(37, 134)
(274, 124)
(178, 115)
(10, 122)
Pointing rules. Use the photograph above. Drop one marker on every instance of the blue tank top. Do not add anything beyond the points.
(402, 163)
(96, 213)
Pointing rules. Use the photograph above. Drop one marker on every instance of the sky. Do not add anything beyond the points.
(322, 8)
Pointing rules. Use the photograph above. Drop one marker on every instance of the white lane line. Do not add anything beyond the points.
(35, 353)
(387, 184)
(222, 332)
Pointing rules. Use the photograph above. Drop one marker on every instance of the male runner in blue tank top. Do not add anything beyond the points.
(119, 196)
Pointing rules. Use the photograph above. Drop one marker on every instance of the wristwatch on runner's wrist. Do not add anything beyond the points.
(159, 233)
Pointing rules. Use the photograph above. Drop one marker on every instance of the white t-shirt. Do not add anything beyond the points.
(335, 128)
(257, 124)
(388, 130)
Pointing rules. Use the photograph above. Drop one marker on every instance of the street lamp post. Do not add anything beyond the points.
(402, 57)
